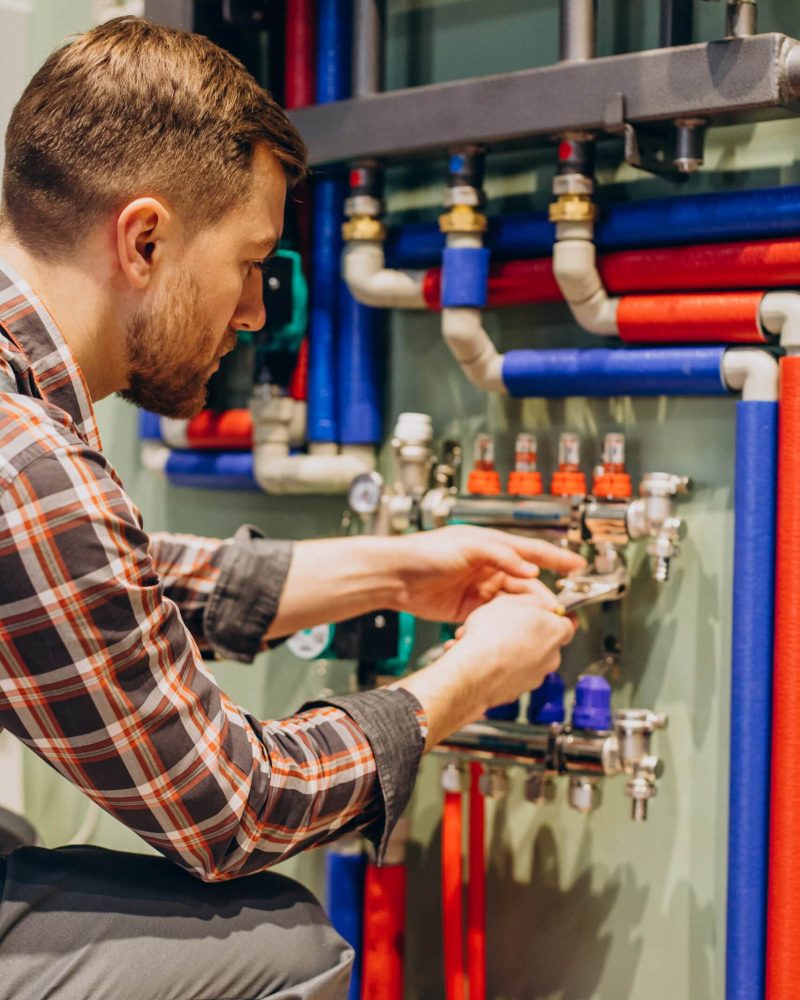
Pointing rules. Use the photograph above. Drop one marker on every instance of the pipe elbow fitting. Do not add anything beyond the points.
(779, 314)
(575, 271)
(373, 284)
(752, 372)
(473, 349)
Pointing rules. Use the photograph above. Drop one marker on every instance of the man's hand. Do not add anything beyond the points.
(506, 647)
(440, 575)
(447, 574)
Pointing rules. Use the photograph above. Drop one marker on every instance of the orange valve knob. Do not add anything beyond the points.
(483, 480)
(526, 480)
(611, 479)
(568, 480)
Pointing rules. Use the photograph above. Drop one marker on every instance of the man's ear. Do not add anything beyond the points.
(143, 226)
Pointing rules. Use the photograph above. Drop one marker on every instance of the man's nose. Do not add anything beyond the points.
(250, 312)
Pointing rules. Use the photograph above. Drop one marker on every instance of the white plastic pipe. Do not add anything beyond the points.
(473, 349)
(752, 372)
(575, 271)
(373, 284)
(277, 421)
(318, 472)
(174, 433)
(779, 314)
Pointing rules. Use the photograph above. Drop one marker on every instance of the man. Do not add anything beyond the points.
(145, 180)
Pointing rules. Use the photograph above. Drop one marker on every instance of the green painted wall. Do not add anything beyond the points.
(578, 907)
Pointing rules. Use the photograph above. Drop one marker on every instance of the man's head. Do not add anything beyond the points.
(162, 148)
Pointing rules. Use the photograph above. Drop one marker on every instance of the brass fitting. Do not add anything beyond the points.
(573, 208)
(363, 227)
(463, 219)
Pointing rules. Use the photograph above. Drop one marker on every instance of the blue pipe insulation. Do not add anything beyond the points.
(345, 875)
(209, 470)
(325, 299)
(751, 697)
(358, 375)
(334, 40)
(699, 218)
(149, 426)
(665, 371)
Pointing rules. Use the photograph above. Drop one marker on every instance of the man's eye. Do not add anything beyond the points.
(259, 265)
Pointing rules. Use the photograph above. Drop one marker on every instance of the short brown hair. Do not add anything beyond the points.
(132, 108)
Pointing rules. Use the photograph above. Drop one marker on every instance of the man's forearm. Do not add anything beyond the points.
(332, 579)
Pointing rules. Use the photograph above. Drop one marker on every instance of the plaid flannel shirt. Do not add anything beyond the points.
(101, 629)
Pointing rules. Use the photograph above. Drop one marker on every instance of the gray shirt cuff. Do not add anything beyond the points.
(390, 722)
(245, 600)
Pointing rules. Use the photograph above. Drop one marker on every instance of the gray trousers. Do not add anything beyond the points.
(82, 923)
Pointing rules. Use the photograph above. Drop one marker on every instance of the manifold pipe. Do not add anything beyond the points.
(756, 372)
(577, 33)
(345, 867)
(702, 218)
(783, 925)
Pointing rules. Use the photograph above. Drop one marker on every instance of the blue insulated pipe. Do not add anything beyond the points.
(334, 31)
(700, 218)
(666, 371)
(333, 84)
(325, 298)
(149, 426)
(358, 381)
(345, 872)
(211, 470)
(751, 697)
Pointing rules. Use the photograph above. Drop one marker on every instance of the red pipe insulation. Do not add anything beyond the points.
(452, 914)
(724, 318)
(476, 898)
(708, 267)
(384, 933)
(299, 58)
(227, 430)
(783, 903)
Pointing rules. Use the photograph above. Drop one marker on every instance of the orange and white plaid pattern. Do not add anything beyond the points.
(101, 630)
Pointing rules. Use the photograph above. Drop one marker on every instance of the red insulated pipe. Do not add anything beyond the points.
(759, 264)
(721, 318)
(709, 267)
(384, 933)
(511, 283)
(452, 914)
(225, 429)
(298, 387)
(476, 899)
(783, 906)
(299, 58)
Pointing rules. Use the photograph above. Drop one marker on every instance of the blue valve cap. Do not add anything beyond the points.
(592, 709)
(504, 713)
(547, 702)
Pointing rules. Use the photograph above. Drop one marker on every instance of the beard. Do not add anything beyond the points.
(170, 353)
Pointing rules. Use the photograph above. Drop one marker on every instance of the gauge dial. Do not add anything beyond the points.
(364, 495)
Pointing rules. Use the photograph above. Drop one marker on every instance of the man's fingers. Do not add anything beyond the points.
(535, 551)
(545, 597)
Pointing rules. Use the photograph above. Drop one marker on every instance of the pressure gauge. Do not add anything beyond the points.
(364, 495)
(311, 643)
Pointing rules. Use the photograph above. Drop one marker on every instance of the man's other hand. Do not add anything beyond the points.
(446, 574)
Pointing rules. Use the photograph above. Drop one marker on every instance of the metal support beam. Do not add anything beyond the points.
(173, 13)
(731, 80)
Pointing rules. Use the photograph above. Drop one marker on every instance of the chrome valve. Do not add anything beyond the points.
(653, 516)
(635, 728)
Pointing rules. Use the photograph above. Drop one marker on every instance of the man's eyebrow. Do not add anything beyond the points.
(268, 246)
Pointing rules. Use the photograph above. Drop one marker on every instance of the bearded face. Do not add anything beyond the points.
(172, 352)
